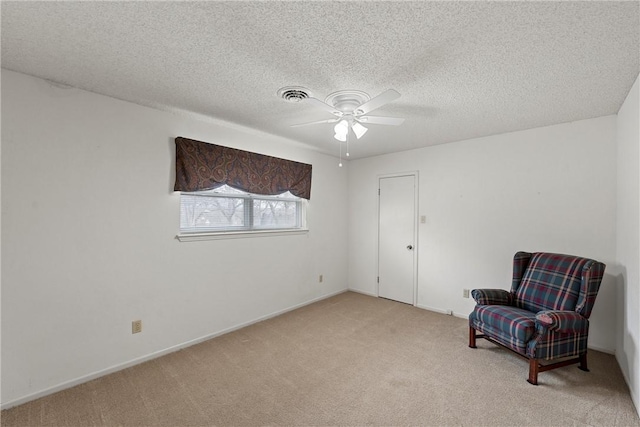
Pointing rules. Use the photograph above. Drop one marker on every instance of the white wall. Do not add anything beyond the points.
(0, 253)
(88, 238)
(546, 189)
(89, 220)
(628, 241)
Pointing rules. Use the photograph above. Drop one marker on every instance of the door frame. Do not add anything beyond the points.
(416, 245)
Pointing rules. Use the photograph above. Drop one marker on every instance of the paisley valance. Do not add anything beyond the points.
(203, 166)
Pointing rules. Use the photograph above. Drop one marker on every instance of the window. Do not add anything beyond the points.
(227, 209)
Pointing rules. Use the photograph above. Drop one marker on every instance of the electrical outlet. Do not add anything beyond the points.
(320, 279)
(136, 326)
(465, 293)
(423, 219)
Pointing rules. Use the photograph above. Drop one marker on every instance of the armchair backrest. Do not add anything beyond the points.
(546, 281)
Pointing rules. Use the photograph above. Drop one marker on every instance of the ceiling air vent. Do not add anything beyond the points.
(294, 93)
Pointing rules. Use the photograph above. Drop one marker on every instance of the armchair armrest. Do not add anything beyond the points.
(492, 297)
(562, 321)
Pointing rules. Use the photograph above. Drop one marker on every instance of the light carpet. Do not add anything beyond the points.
(347, 360)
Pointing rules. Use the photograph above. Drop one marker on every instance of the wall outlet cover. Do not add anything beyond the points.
(136, 326)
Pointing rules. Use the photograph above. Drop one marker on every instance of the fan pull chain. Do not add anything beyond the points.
(340, 144)
(347, 153)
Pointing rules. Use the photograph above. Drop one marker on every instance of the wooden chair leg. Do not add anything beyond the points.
(533, 371)
(583, 362)
(472, 337)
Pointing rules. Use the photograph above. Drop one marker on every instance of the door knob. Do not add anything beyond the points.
(409, 247)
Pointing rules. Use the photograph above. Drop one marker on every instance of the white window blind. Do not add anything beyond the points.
(228, 209)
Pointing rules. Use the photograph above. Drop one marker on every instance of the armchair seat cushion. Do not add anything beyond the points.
(511, 321)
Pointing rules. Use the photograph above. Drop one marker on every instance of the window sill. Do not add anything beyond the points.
(220, 235)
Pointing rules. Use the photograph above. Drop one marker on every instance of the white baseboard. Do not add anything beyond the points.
(371, 294)
(634, 400)
(434, 309)
(85, 378)
(602, 349)
(634, 396)
(441, 311)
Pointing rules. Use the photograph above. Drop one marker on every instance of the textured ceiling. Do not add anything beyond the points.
(464, 69)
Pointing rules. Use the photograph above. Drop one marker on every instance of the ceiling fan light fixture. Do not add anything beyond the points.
(350, 109)
(341, 129)
(359, 130)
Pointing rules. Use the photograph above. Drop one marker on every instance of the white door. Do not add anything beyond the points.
(396, 245)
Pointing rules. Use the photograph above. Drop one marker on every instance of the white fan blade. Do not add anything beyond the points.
(379, 120)
(316, 123)
(323, 106)
(377, 102)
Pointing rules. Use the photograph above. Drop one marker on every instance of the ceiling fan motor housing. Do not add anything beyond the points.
(347, 100)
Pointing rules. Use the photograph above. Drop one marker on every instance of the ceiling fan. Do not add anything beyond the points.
(351, 109)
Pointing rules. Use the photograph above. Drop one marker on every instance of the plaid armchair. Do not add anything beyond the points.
(545, 316)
